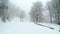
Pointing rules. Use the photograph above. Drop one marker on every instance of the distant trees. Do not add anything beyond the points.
(36, 12)
(54, 9)
(8, 10)
(22, 15)
(14, 11)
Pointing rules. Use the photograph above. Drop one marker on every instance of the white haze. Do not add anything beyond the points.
(26, 4)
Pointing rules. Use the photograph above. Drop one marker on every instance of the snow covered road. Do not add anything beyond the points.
(17, 27)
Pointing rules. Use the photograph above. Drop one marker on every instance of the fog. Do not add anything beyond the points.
(16, 21)
(26, 4)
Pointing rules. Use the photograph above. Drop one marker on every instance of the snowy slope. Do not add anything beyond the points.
(17, 27)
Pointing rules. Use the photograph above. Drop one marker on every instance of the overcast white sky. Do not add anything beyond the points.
(25, 4)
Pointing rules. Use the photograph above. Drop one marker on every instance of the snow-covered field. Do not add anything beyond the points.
(26, 27)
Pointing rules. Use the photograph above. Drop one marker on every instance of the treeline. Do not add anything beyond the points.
(9, 11)
(53, 8)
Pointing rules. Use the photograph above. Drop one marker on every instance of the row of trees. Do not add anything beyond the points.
(37, 9)
(9, 10)
(54, 10)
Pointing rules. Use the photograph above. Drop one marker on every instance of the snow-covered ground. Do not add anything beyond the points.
(26, 27)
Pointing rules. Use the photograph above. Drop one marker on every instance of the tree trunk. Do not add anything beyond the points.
(51, 18)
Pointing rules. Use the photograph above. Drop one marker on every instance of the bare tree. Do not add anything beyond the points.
(36, 12)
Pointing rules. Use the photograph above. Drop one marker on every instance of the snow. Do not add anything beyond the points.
(26, 27)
